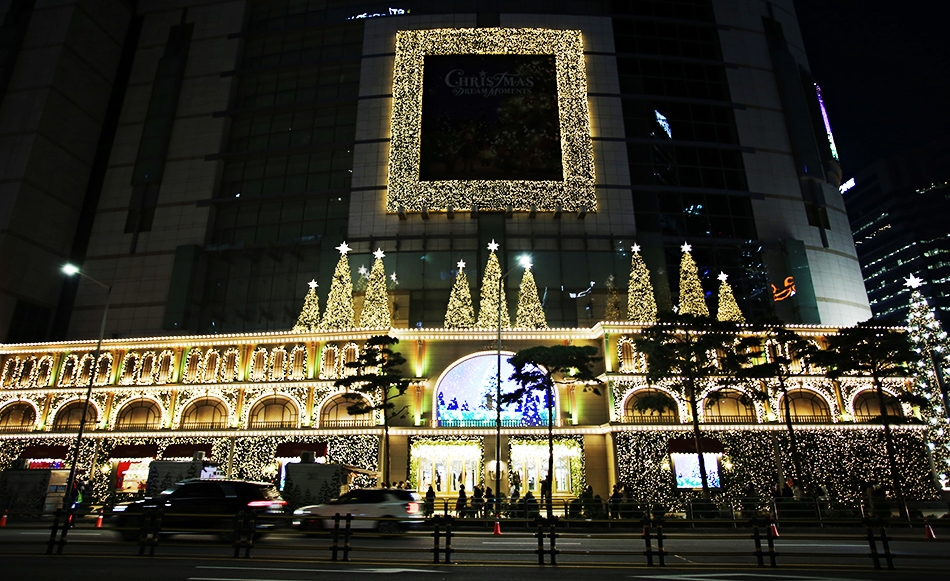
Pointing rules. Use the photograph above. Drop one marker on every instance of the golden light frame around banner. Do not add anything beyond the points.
(406, 193)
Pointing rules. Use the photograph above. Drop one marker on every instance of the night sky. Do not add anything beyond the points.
(884, 71)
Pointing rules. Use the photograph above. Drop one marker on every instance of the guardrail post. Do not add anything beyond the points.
(648, 546)
(553, 537)
(67, 524)
(347, 531)
(436, 538)
(770, 539)
(448, 540)
(872, 542)
(244, 528)
(757, 539)
(659, 541)
(54, 531)
(335, 545)
(886, 547)
(539, 523)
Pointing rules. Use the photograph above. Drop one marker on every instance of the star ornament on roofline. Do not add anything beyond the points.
(913, 282)
(686, 247)
(343, 248)
(379, 253)
(313, 284)
(493, 246)
(723, 276)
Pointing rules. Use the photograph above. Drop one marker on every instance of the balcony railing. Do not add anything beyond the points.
(505, 423)
(203, 426)
(137, 426)
(629, 419)
(271, 425)
(347, 423)
(22, 428)
(811, 419)
(73, 426)
(720, 419)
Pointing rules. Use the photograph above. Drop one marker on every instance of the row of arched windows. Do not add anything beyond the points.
(632, 361)
(158, 368)
(206, 413)
(653, 406)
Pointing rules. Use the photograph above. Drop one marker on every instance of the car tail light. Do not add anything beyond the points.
(412, 507)
(266, 503)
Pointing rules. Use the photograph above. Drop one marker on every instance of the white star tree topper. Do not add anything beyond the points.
(493, 246)
(379, 253)
(635, 248)
(913, 282)
(460, 264)
(343, 248)
(313, 284)
(723, 276)
(686, 247)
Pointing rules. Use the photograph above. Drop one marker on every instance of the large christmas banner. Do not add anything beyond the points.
(467, 396)
(490, 117)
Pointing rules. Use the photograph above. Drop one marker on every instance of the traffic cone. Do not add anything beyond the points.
(3, 519)
(775, 531)
(497, 530)
(928, 530)
(99, 520)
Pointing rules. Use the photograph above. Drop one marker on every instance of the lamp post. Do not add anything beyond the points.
(525, 262)
(70, 270)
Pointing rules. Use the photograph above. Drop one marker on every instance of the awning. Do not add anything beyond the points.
(186, 450)
(134, 451)
(688, 446)
(52, 452)
(294, 449)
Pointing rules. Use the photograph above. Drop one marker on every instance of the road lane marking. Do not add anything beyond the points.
(520, 543)
(302, 570)
(46, 533)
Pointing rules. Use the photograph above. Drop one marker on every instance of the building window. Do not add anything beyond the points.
(335, 414)
(69, 417)
(204, 414)
(273, 412)
(141, 414)
(729, 406)
(17, 417)
(807, 407)
(867, 407)
(650, 406)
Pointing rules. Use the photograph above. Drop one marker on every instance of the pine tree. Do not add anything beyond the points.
(728, 308)
(488, 305)
(612, 312)
(530, 312)
(375, 314)
(692, 300)
(309, 319)
(641, 304)
(460, 313)
(339, 313)
(929, 338)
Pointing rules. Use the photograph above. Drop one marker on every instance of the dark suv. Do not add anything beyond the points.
(206, 506)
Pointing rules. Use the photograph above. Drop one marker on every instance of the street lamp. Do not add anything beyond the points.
(69, 270)
(525, 262)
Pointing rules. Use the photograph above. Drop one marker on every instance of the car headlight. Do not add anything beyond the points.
(300, 511)
(120, 508)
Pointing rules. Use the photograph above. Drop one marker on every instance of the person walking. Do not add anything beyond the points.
(430, 502)
(461, 502)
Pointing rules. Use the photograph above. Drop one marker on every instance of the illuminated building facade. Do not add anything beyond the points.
(252, 402)
(226, 148)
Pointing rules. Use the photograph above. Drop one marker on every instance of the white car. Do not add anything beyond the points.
(396, 510)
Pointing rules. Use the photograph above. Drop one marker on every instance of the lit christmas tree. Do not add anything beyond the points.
(641, 304)
(931, 375)
(339, 313)
(728, 308)
(375, 313)
(692, 301)
(612, 312)
(488, 305)
(362, 280)
(461, 313)
(309, 319)
(530, 312)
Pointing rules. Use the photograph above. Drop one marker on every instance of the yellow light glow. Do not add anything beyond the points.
(407, 192)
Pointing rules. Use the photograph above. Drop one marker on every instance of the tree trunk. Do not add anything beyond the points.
(549, 501)
(696, 438)
(793, 443)
(889, 447)
(386, 454)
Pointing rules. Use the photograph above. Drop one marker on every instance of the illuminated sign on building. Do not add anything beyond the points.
(787, 290)
(824, 117)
